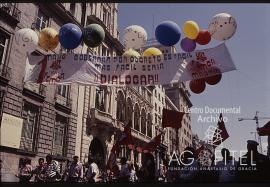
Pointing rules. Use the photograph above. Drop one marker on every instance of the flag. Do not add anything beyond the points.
(172, 118)
(265, 130)
(221, 133)
(111, 160)
(126, 137)
(153, 144)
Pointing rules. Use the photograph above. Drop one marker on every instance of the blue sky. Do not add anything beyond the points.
(248, 86)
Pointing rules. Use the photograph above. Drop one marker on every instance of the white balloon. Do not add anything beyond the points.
(222, 27)
(26, 39)
(135, 37)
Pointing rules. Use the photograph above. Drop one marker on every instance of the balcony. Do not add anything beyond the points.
(63, 103)
(100, 117)
(5, 74)
(35, 91)
(10, 12)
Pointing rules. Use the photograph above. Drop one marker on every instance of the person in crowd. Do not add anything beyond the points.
(133, 176)
(190, 168)
(227, 167)
(147, 170)
(93, 174)
(51, 171)
(161, 174)
(66, 170)
(124, 173)
(75, 172)
(25, 173)
(38, 170)
(253, 166)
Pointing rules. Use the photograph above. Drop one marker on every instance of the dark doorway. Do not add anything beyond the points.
(96, 151)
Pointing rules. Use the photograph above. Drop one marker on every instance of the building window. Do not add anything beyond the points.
(159, 97)
(105, 16)
(100, 98)
(120, 113)
(129, 110)
(143, 122)
(155, 118)
(3, 47)
(159, 110)
(156, 106)
(30, 118)
(104, 51)
(136, 117)
(149, 125)
(155, 93)
(63, 90)
(59, 135)
(42, 20)
(72, 7)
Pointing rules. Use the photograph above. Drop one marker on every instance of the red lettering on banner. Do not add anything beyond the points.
(143, 80)
(150, 79)
(135, 79)
(114, 79)
(128, 80)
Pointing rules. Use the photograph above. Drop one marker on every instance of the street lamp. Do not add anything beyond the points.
(256, 118)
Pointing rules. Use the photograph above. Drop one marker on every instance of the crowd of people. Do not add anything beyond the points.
(252, 167)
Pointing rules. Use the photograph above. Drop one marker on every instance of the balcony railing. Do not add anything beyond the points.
(64, 101)
(39, 89)
(5, 71)
(11, 10)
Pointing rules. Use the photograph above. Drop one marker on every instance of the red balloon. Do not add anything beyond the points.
(197, 86)
(212, 80)
(204, 37)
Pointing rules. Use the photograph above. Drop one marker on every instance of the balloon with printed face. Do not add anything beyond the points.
(70, 36)
(212, 80)
(134, 37)
(167, 33)
(26, 39)
(204, 37)
(222, 27)
(152, 51)
(93, 35)
(131, 53)
(188, 45)
(191, 29)
(197, 86)
(48, 38)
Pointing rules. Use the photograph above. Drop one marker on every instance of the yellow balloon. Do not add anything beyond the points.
(131, 52)
(191, 29)
(48, 38)
(152, 51)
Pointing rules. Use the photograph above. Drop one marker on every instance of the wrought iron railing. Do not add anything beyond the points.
(37, 88)
(5, 71)
(65, 101)
(10, 9)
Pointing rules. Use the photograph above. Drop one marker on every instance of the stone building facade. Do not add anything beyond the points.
(49, 113)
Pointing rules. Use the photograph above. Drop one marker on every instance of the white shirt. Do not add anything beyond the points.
(227, 172)
(93, 168)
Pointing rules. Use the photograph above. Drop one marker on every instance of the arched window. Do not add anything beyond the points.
(129, 110)
(120, 112)
(136, 117)
(143, 122)
(149, 125)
